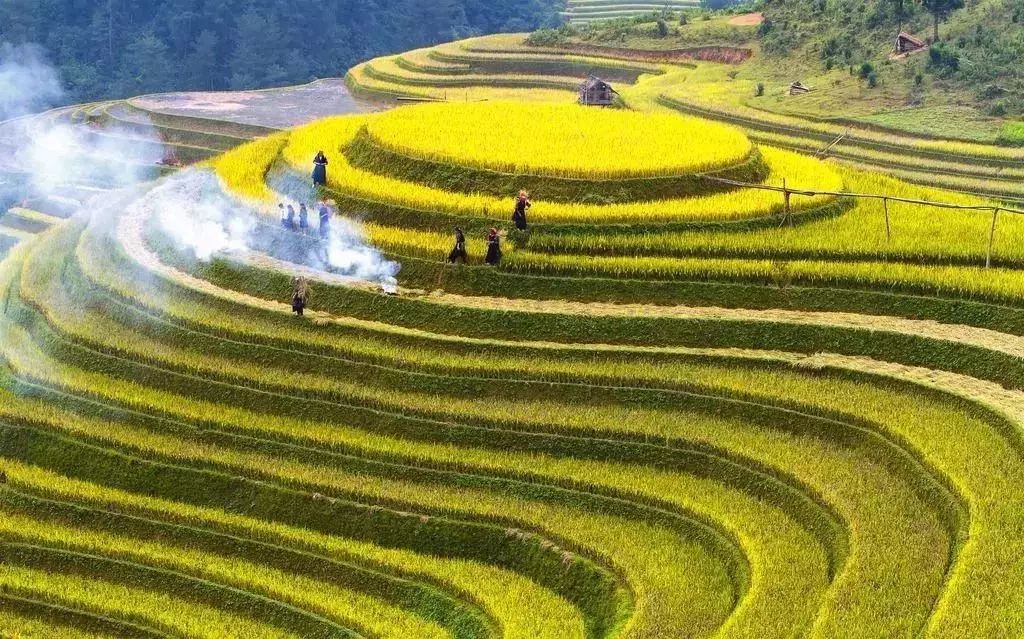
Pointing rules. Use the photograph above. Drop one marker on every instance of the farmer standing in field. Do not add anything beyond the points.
(300, 294)
(320, 169)
(303, 218)
(325, 220)
(459, 252)
(493, 247)
(522, 205)
(289, 220)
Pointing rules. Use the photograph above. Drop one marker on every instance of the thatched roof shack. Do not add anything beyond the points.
(798, 88)
(906, 43)
(597, 92)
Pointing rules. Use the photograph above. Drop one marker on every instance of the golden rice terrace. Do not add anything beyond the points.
(711, 391)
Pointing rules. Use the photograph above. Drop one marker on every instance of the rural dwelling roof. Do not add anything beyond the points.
(906, 38)
(596, 83)
(798, 87)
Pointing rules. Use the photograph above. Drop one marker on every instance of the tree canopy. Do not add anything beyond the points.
(117, 48)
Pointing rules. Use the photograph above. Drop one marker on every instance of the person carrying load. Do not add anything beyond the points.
(459, 251)
(493, 247)
(522, 205)
(300, 295)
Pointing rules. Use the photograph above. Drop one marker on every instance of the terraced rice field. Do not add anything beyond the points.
(583, 11)
(666, 413)
(690, 82)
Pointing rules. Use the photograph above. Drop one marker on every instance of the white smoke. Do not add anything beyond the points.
(348, 249)
(61, 159)
(58, 156)
(192, 210)
(27, 83)
(349, 253)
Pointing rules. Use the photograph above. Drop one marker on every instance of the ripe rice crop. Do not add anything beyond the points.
(498, 591)
(919, 233)
(360, 80)
(909, 419)
(560, 140)
(799, 171)
(150, 608)
(952, 281)
(387, 70)
(342, 606)
(425, 244)
(244, 170)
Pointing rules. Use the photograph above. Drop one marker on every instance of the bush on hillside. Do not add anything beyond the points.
(545, 38)
(942, 59)
(998, 109)
(1012, 134)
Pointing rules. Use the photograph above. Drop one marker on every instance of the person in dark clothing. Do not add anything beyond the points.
(320, 169)
(303, 217)
(289, 220)
(459, 252)
(493, 247)
(284, 216)
(325, 221)
(522, 205)
(300, 294)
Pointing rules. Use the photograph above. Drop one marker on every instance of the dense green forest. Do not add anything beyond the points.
(115, 48)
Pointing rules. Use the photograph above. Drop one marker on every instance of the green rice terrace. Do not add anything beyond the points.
(724, 384)
(583, 11)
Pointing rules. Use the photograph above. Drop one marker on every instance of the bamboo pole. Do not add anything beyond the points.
(991, 238)
(888, 232)
(788, 212)
(873, 196)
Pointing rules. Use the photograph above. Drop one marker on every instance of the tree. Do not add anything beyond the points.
(118, 48)
(146, 66)
(940, 10)
(202, 63)
(257, 48)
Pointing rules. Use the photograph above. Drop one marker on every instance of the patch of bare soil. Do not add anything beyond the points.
(748, 20)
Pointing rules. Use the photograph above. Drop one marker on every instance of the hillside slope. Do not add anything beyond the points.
(968, 86)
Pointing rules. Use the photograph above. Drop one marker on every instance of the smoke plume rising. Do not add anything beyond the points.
(64, 163)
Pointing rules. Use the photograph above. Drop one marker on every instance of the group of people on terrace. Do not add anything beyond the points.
(493, 256)
(458, 252)
(299, 220)
(288, 216)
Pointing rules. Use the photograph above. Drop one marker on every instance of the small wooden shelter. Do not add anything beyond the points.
(906, 44)
(799, 88)
(597, 92)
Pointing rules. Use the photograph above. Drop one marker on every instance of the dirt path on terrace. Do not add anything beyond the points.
(982, 337)
(748, 20)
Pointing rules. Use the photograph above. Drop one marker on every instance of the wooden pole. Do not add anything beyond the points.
(991, 237)
(885, 205)
(785, 194)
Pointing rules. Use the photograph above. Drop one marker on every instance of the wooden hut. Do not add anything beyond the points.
(799, 88)
(906, 44)
(597, 92)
